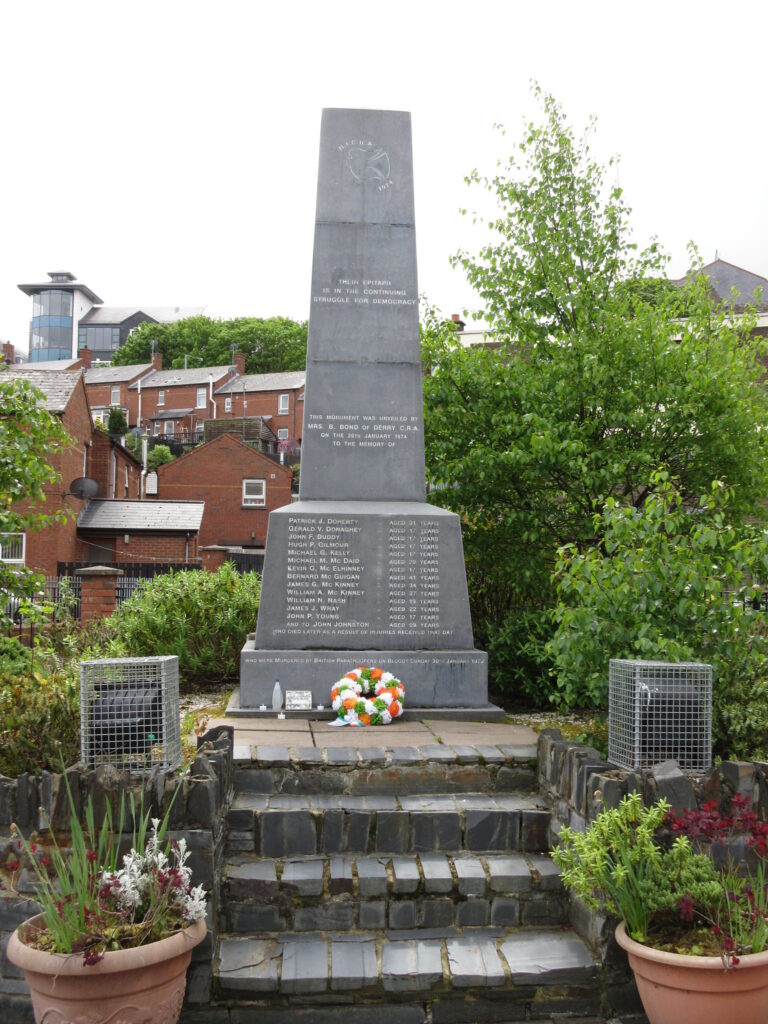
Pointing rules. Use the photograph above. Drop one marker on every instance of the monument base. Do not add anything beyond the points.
(432, 679)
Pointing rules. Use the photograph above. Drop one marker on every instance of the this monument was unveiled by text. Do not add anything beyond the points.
(361, 570)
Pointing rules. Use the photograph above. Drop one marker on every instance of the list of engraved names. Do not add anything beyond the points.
(330, 590)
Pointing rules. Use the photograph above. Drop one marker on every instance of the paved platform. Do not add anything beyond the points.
(319, 733)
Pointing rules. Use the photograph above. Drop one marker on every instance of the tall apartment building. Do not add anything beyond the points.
(68, 316)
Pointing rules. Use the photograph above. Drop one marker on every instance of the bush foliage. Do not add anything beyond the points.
(201, 617)
(39, 722)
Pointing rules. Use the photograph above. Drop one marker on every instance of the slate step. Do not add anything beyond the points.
(431, 890)
(432, 768)
(283, 825)
(526, 965)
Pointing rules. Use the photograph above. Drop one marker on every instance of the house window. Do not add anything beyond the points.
(157, 425)
(228, 404)
(168, 427)
(282, 404)
(12, 546)
(161, 397)
(201, 399)
(282, 433)
(255, 492)
(114, 394)
(127, 486)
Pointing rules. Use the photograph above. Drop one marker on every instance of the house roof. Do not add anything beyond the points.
(222, 440)
(725, 276)
(265, 382)
(50, 364)
(170, 414)
(141, 516)
(57, 387)
(119, 314)
(60, 286)
(195, 375)
(115, 374)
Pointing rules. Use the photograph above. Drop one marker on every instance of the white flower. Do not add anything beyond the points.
(386, 677)
(386, 718)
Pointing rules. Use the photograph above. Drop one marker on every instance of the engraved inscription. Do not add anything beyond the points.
(329, 589)
(353, 290)
(367, 430)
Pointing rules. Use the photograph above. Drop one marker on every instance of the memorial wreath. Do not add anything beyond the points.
(367, 696)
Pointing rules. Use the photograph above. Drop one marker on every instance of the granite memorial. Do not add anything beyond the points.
(361, 570)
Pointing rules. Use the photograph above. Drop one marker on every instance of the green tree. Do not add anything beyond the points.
(158, 456)
(603, 373)
(29, 436)
(668, 583)
(117, 424)
(270, 345)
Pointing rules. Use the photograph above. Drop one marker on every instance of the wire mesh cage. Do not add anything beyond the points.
(660, 711)
(129, 713)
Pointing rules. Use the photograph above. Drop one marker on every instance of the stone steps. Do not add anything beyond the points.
(372, 770)
(432, 890)
(545, 968)
(284, 825)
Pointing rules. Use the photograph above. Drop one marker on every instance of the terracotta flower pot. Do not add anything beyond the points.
(144, 985)
(677, 989)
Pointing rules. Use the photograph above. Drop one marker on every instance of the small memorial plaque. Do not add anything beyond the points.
(298, 700)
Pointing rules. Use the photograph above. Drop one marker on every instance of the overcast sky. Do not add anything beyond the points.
(166, 152)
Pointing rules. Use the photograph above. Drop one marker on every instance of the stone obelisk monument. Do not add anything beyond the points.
(361, 570)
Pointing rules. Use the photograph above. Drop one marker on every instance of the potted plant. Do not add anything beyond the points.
(117, 426)
(696, 936)
(115, 935)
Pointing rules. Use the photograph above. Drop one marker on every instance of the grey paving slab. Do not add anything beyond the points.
(466, 753)
(509, 874)
(373, 914)
(489, 829)
(248, 965)
(305, 966)
(436, 830)
(519, 751)
(489, 753)
(505, 912)
(341, 876)
(437, 872)
(241, 753)
(514, 802)
(406, 874)
(273, 754)
(253, 878)
(353, 965)
(545, 872)
(392, 831)
(438, 752)
(373, 755)
(474, 963)
(402, 914)
(307, 755)
(548, 958)
(470, 875)
(411, 966)
(342, 755)
(324, 801)
(371, 876)
(429, 802)
(303, 876)
(286, 833)
(405, 755)
(473, 913)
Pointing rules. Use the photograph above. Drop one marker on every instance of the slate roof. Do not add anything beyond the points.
(170, 414)
(118, 314)
(724, 276)
(265, 382)
(115, 374)
(48, 364)
(138, 516)
(57, 387)
(194, 375)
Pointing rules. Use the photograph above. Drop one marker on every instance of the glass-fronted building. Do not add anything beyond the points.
(57, 306)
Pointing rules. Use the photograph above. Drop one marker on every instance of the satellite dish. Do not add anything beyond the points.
(83, 487)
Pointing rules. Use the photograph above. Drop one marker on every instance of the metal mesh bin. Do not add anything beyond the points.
(660, 711)
(129, 713)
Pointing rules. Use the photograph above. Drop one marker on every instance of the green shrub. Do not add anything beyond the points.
(116, 424)
(159, 456)
(201, 617)
(15, 658)
(39, 722)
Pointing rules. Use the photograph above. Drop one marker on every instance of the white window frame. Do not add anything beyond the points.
(202, 393)
(253, 500)
(114, 402)
(228, 403)
(161, 397)
(156, 426)
(168, 427)
(9, 542)
(283, 404)
(282, 433)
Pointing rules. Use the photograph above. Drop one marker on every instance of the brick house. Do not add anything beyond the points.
(139, 531)
(276, 397)
(175, 402)
(238, 484)
(108, 387)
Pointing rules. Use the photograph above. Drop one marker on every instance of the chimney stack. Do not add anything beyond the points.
(238, 361)
(456, 318)
(9, 353)
(85, 356)
(157, 360)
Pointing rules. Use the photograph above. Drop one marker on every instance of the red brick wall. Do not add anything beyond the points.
(99, 467)
(265, 403)
(214, 473)
(45, 548)
(141, 547)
